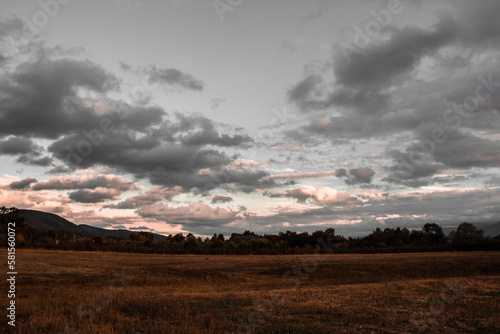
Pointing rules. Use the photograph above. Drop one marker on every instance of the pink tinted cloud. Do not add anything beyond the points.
(321, 195)
(250, 162)
(195, 212)
(44, 201)
(323, 123)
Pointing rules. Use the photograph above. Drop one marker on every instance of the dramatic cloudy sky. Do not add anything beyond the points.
(222, 116)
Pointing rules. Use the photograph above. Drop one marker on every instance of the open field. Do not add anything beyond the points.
(78, 292)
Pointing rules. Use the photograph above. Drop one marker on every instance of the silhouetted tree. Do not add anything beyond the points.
(467, 237)
(434, 232)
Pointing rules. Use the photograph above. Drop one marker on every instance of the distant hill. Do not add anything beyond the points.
(45, 221)
(492, 230)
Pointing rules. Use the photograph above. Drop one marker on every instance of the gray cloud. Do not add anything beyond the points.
(173, 77)
(412, 168)
(361, 80)
(423, 159)
(378, 93)
(34, 160)
(195, 129)
(23, 184)
(464, 150)
(9, 27)
(360, 175)
(221, 199)
(16, 145)
(308, 93)
(356, 176)
(381, 65)
(27, 151)
(40, 98)
(216, 102)
(92, 196)
(152, 196)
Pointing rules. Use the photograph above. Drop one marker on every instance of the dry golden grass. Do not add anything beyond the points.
(79, 292)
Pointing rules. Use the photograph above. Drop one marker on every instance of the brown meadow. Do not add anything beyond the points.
(92, 292)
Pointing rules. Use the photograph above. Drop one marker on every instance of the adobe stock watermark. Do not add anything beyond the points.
(223, 6)
(371, 30)
(453, 117)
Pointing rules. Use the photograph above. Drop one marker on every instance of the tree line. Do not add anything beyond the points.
(431, 238)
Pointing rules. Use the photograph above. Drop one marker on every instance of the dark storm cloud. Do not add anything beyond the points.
(479, 22)
(137, 118)
(16, 145)
(381, 65)
(28, 152)
(424, 167)
(163, 163)
(221, 199)
(362, 78)
(412, 168)
(168, 154)
(360, 175)
(426, 157)
(363, 100)
(464, 150)
(197, 130)
(138, 154)
(88, 189)
(92, 196)
(174, 77)
(308, 93)
(341, 173)
(40, 98)
(420, 161)
(356, 176)
(23, 184)
(246, 181)
(369, 97)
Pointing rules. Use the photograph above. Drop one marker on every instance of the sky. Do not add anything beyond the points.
(205, 117)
